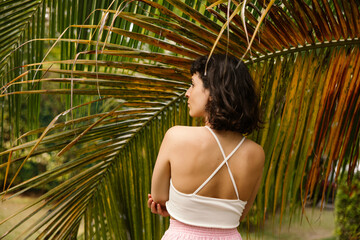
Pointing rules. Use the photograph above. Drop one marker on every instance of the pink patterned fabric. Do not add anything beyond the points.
(180, 231)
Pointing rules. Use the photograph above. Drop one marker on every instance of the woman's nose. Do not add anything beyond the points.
(187, 94)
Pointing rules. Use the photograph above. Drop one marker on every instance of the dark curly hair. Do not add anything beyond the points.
(234, 103)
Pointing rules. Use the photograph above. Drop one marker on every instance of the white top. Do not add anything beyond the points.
(205, 211)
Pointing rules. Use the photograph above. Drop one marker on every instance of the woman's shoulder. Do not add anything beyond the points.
(255, 154)
(180, 130)
(184, 133)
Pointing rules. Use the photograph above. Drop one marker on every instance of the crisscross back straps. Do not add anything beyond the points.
(226, 158)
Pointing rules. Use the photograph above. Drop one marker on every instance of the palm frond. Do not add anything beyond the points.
(123, 72)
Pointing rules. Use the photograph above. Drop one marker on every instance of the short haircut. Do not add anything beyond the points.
(233, 104)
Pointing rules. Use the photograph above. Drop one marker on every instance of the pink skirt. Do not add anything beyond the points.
(180, 231)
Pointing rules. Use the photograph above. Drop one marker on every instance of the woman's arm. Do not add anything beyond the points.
(254, 175)
(160, 182)
(251, 200)
(156, 207)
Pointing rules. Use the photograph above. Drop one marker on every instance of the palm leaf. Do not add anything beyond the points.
(130, 69)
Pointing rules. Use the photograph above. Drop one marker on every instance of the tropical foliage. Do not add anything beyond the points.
(118, 81)
(347, 212)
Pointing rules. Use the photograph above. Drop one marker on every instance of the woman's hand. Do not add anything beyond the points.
(156, 207)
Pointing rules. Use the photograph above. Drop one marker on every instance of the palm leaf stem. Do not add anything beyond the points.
(325, 44)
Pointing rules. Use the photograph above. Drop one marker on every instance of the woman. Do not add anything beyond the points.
(206, 178)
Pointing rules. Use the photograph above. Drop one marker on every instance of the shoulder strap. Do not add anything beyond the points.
(226, 158)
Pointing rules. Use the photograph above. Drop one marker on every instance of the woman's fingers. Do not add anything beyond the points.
(149, 202)
(153, 208)
(156, 207)
(159, 209)
(162, 211)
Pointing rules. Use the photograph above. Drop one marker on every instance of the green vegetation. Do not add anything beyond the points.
(348, 209)
(116, 79)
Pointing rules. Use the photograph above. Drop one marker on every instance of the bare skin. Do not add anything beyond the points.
(188, 155)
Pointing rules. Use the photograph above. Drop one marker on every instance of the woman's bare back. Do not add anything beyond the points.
(196, 155)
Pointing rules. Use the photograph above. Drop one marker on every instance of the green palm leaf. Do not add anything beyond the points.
(122, 74)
